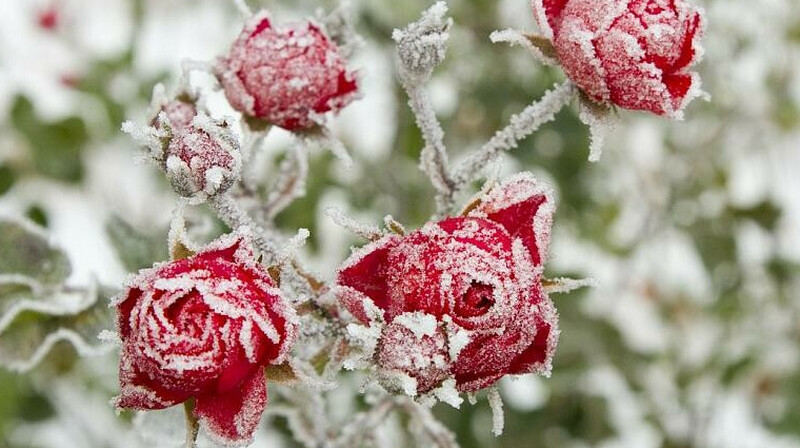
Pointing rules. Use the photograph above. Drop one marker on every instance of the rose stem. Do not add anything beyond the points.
(192, 426)
(521, 125)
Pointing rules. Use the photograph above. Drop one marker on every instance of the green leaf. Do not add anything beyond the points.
(56, 147)
(136, 249)
(31, 325)
(25, 250)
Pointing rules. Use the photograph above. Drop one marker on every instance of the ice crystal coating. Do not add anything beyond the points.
(462, 298)
(287, 75)
(202, 158)
(632, 53)
(204, 327)
(422, 45)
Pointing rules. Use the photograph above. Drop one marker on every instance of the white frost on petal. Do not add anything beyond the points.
(421, 324)
(447, 393)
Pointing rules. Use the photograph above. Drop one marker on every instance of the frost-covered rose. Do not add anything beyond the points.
(202, 158)
(203, 327)
(632, 53)
(178, 111)
(285, 75)
(461, 298)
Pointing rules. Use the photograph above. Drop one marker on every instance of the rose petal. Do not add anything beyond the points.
(548, 14)
(137, 391)
(366, 273)
(232, 418)
(525, 208)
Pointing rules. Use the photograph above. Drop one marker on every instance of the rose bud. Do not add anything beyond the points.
(202, 159)
(286, 76)
(203, 328)
(179, 112)
(479, 279)
(635, 54)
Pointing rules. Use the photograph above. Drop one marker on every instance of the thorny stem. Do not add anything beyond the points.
(236, 217)
(433, 158)
(192, 425)
(521, 126)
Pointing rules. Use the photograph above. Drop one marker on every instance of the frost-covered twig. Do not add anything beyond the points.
(521, 126)
(421, 46)
(366, 231)
(364, 424)
(237, 218)
(439, 435)
(289, 185)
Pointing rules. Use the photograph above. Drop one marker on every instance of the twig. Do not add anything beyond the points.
(237, 218)
(521, 126)
(289, 185)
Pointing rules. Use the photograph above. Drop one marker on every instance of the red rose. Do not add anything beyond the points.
(200, 161)
(465, 292)
(204, 328)
(179, 112)
(632, 53)
(285, 75)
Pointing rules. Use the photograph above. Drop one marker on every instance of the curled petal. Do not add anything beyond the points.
(231, 418)
(548, 15)
(364, 276)
(525, 208)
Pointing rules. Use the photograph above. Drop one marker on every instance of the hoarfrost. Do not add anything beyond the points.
(498, 417)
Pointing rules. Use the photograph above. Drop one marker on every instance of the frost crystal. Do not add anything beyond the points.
(422, 45)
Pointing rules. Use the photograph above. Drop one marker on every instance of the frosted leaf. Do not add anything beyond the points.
(539, 46)
(134, 247)
(498, 417)
(364, 340)
(26, 251)
(366, 231)
(421, 46)
(72, 315)
(601, 119)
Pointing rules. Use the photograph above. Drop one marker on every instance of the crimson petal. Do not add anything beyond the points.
(232, 417)
(525, 209)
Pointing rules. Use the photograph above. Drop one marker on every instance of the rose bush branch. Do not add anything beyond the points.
(521, 125)
(421, 46)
